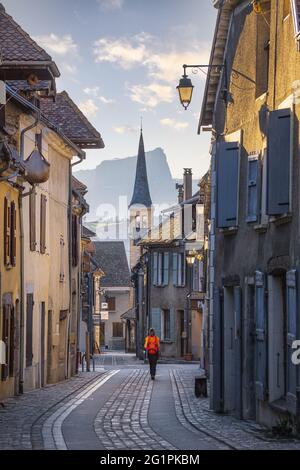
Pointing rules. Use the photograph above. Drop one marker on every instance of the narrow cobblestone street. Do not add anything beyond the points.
(119, 407)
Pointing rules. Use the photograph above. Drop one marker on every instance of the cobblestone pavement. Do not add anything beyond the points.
(119, 407)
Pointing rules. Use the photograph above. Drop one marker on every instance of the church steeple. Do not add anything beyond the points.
(141, 193)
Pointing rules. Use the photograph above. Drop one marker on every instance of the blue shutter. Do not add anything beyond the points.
(183, 270)
(155, 269)
(227, 165)
(238, 349)
(175, 269)
(279, 162)
(156, 321)
(217, 353)
(166, 269)
(253, 165)
(172, 325)
(291, 337)
(160, 269)
(261, 337)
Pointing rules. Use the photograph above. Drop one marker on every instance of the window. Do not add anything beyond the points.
(198, 276)
(10, 236)
(32, 221)
(252, 194)
(179, 269)
(111, 303)
(117, 330)
(43, 224)
(166, 325)
(227, 165)
(160, 269)
(29, 327)
(279, 153)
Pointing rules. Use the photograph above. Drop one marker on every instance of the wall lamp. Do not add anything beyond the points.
(185, 87)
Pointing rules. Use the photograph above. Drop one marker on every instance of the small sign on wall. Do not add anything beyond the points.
(104, 315)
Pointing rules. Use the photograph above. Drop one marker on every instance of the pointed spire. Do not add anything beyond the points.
(141, 193)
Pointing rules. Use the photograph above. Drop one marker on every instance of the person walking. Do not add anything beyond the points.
(152, 346)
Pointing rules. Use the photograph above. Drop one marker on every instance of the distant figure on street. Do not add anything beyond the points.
(152, 346)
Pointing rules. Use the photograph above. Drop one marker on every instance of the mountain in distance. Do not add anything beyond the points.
(115, 178)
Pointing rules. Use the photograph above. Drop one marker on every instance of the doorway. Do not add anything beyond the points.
(49, 346)
(42, 351)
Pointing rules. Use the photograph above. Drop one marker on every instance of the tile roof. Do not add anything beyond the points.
(111, 257)
(66, 115)
(16, 46)
(87, 233)
(22, 85)
(78, 185)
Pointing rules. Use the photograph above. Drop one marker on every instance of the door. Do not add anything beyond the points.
(181, 319)
(102, 334)
(49, 346)
(42, 352)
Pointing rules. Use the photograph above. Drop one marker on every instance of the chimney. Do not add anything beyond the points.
(179, 188)
(188, 183)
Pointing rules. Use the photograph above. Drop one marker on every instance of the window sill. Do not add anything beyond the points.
(166, 341)
(229, 231)
(281, 219)
(261, 228)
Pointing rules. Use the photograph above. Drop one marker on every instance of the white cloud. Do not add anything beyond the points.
(151, 95)
(122, 51)
(60, 45)
(125, 129)
(106, 100)
(91, 91)
(173, 124)
(111, 4)
(70, 68)
(88, 107)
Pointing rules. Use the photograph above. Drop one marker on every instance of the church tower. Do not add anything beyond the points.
(140, 207)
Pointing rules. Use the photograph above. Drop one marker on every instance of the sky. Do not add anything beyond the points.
(121, 60)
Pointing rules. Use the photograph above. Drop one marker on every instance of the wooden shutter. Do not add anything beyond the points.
(172, 325)
(29, 327)
(156, 321)
(32, 221)
(117, 330)
(261, 337)
(175, 269)
(238, 349)
(155, 268)
(291, 284)
(252, 199)
(227, 165)
(43, 214)
(7, 232)
(166, 269)
(111, 303)
(13, 234)
(5, 339)
(160, 269)
(279, 162)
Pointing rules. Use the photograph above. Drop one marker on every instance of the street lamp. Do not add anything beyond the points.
(185, 87)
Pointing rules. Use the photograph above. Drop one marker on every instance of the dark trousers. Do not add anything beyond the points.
(153, 358)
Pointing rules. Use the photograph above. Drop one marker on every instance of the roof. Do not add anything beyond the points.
(166, 233)
(129, 315)
(87, 233)
(111, 257)
(78, 185)
(23, 85)
(17, 49)
(141, 193)
(216, 58)
(66, 115)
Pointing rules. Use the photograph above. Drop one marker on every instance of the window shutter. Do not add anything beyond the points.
(227, 165)
(166, 269)
(291, 279)
(7, 233)
(238, 349)
(29, 326)
(183, 269)
(172, 325)
(13, 236)
(32, 221)
(155, 264)
(156, 321)
(261, 337)
(175, 269)
(43, 224)
(196, 281)
(160, 269)
(279, 162)
(252, 201)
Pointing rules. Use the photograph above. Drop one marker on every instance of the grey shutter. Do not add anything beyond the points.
(279, 162)
(238, 349)
(172, 325)
(227, 165)
(183, 269)
(217, 353)
(29, 327)
(175, 269)
(166, 269)
(156, 321)
(155, 256)
(160, 269)
(252, 200)
(291, 278)
(196, 275)
(261, 337)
